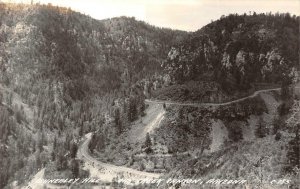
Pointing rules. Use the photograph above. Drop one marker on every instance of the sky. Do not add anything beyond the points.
(188, 15)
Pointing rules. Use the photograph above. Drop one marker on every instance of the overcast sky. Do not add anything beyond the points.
(188, 15)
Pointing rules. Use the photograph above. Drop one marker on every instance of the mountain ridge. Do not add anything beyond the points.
(80, 75)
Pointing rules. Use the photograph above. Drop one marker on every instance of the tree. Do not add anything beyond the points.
(261, 129)
(54, 143)
(19, 116)
(81, 129)
(40, 140)
(294, 119)
(100, 142)
(284, 108)
(294, 145)
(93, 143)
(278, 136)
(118, 122)
(293, 154)
(181, 116)
(235, 132)
(54, 149)
(1, 98)
(278, 124)
(68, 139)
(285, 92)
(38, 160)
(142, 108)
(74, 166)
(132, 113)
(73, 150)
(4, 124)
(148, 144)
(53, 156)
(61, 161)
(9, 98)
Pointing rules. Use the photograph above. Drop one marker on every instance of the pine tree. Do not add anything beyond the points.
(38, 160)
(54, 149)
(294, 145)
(4, 124)
(40, 140)
(293, 154)
(261, 129)
(53, 156)
(61, 161)
(148, 144)
(278, 124)
(181, 115)
(118, 122)
(1, 98)
(142, 109)
(285, 92)
(101, 142)
(81, 129)
(19, 116)
(74, 165)
(132, 113)
(67, 141)
(73, 150)
(93, 143)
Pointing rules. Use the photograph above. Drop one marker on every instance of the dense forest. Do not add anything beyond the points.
(64, 74)
(233, 55)
(73, 73)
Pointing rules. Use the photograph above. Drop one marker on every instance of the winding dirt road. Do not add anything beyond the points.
(213, 104)
(107, 172)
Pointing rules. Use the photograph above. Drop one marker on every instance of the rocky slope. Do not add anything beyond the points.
(248, 140)
(231, 55)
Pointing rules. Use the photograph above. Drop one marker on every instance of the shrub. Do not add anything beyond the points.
(278, 136)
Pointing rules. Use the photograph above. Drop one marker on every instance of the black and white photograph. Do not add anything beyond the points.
(149, 94)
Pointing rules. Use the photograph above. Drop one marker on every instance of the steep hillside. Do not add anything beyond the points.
(67, 73)
(248, 140)
(20, 143)
(62, 45)
(142, 46)
(233, 55)
(64, 75)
